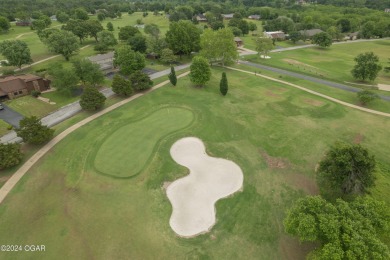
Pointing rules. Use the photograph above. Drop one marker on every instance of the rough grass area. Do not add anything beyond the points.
(334, 63)
(30, 106)
(3, 127)
(275, 133)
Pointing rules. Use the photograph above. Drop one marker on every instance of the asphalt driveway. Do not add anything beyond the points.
(10, 116)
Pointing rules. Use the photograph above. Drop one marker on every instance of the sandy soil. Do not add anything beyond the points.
(193, 196)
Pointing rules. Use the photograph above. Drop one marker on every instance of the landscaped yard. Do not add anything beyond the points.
(275, 133)
(334, 63)
(30, 106)
(3, 127)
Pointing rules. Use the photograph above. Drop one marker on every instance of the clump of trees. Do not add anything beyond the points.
(61, 42)
(92, 99)
(121, 86)
(367, 66)
(264, 46)
(10, 155)
(200, 71)
(16, 52)
(322, 39)
(128, 60)
(5, 25)
(183, 37)
(32, 131)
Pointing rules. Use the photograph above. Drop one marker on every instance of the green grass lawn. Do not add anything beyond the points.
(3, 127)
(30, 106)
(334, 63)
(275, 133)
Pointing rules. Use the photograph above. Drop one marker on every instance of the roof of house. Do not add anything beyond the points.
(276, 34)
(28, 77)
(201, 17)
(227, 15)
(102, 57)
(237, 39)
(254, 16)
(310, 32)
(11, 85)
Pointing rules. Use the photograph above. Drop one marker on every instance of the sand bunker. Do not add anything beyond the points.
(193, 196)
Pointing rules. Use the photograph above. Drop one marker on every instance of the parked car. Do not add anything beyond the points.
(1, 107)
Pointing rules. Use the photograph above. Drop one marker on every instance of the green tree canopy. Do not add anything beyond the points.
(63, 42)
(200, 71)
(92, 99)
(126, 32)
(16, 52)
(183, 37)
(138, 43)
(346, 170)
(4, 24)
(172, 76)
(110, 26)
(78, 28)
(32, 131)
(93, 27)
(10, 155)
(263, 46)
(121, 86)
(167, 56)
(89, 73)
(344, 230)
(366, 96)
(152, 29)
(128, 60)
(367, 66)
(223, 84)
(106, 40)
(65, 80)
(322, 39)
(140, 80)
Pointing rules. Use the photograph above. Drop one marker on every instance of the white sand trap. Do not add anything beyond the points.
(265, 57)
(384, 87)
(193, 196)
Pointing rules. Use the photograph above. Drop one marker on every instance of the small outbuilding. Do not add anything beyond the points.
(238, 41)
(278, 35)
(254, 17)
(227, 16)
(201, 18)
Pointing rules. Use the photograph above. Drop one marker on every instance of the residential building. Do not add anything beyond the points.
(227, 16)
(279, 35)
(15, 86)
(254, 17)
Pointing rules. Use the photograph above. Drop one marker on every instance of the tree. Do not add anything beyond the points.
(38, 25)
(366, 67)
(32, 131)
(322, 39)
(344, 230)
(65, 80)
(367, 30)
(200, 71)
(78, 28)
(128, 60)
(63, 42)
(140, 80)
(110, 26)
(223, 85)
(366, 96)
(46, 19)
(89, 73)
(16, 52)
(172, 76)
(138, 43)
(167, 56)
(106, 40)
(219, 46)
(101, 17)
(81, 14)
(252, 26)
(121, 86)
(346, 171)
(92, 99)
(263, 46)
(126, 32)
(93, 27)
(152, 29)
(295, 36)
(10, 155)
(4, 24)
(62, 17)
(335, 33)
(217, 25)
(183, 37)
(236, 31)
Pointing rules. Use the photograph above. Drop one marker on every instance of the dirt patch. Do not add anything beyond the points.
(384, 87)
(290, 248)
(166, 184)
(275, 162)
(358, 138)
(303, 182)
(271, 94)
(313, 102)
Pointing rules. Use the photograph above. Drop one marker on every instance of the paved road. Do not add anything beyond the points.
(73, 108)
(10, 116)
(309, 78)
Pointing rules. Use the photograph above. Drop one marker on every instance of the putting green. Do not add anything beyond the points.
(126, 151)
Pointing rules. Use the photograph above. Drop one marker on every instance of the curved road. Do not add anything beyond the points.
(309, 78)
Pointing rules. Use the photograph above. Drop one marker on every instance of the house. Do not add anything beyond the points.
(310, 33)
(53, 17)
(279, 35)
(23, 23)
(141, 26)
(16, 86)
(201, 18)
(238, 41)
(254, 17)
(105, 61)
(227, 16)
(351, 36)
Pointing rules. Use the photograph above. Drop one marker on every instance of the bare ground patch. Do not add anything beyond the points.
(313, 102)
(275, 162)
(291, 249)
(303, 182)
(271, 94)
(358, 138)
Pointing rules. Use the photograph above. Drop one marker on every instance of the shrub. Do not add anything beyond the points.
(35, 93)
(10, 155)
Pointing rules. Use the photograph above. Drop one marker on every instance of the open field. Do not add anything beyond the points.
(31, 106)
(334, 63)
(275, 133)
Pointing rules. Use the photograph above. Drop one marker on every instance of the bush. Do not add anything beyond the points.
(10, 127)
(140, 80)
(10, 155)
(35, 93)
(32, 131)
(366, 96)
(92, 99)
(8, 72)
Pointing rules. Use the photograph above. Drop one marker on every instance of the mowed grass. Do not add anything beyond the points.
(118, 155)
(275, 133)
(3, 127)
(30, 106)
(334, 63)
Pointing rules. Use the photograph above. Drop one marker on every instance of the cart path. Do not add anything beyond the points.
(41, 152)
